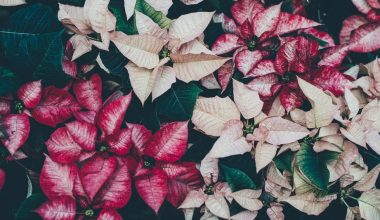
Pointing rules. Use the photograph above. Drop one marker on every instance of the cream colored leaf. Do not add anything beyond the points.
(353, 213)
(248, 199)
(336, 139)
(320, 146)
(277, 109)
(264, 153)
(346, 180)
(140, 49)
(282, 131)
(369, 205)
(245, 215)
(164, 80)
(210, 82)
(328, 130)
(223, 189)
(369, 180)
(247, 100)
(218, 206)
(98, 15)
(188, 213)
(142, 81)
(194, 47)
(348, 156)
(309, 204)
(352, 103)
(73, 18)
(193, 67)
(323, 110)
(358, 169)
(366, 84)
(145, 81)
(209, 169)
(160, 5)
(194, 199)
(191, 2)
(276, 190)
(294, 146)
(298, 116)
(129, 7)
(145, 25)
(274, 212)
(354, 133)
(12, 2)
(274, 175)
(211, 114)
(231, 141)
(260, 117)
(81, 45)
(189, 26)
(208, 215)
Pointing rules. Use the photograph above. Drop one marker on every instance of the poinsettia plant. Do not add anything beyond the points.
(190, 109)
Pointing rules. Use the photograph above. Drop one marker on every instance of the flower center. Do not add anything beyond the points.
(251, 44)
(209, 189)
(287, 77)
(248, 128)
(310, 140)
(18, 106)
(103, 148)
(164, 53)
(148, 162)
(89, 213)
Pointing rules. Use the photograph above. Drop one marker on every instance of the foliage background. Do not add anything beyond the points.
(18, 185)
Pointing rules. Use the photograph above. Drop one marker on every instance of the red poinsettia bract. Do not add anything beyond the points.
(295, 58)
(255, 36)
(99, 186)
(96, 130)
(49, 106)
(159, 175)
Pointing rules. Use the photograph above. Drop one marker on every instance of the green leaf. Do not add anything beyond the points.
(284, 161)
(178, 102)
(157, 16)
(8, 81)
(237, 179)
(201, 145)
(26, 209)
(314, 165)
(79, 3)
(32, 42)
(122, 24)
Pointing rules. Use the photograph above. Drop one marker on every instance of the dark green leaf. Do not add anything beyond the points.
(201, 145)
(157, 16)
(320, 41)
(73, 2)
(178, 102)
(314, 165)
(114, 61)
(284, 161)
(8, 81)
(237, 179)
(221, 5)
(26, 209)
(122, 24)
(150, 116)
(33, 44)
(39, 135)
